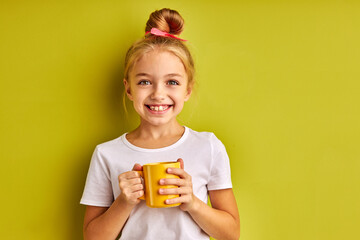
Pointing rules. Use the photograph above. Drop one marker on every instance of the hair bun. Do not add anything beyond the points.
(166, 20)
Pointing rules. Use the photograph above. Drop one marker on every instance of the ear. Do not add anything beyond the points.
(188, 93)
(127, 89)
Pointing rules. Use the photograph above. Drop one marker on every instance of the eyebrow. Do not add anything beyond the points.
(141, 74)
(167, 75)
(173, 75)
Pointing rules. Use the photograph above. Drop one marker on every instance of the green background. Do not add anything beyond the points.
(277, 82)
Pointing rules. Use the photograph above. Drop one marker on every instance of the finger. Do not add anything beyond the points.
(181, 199)
(136, 195)
(181, 161)
(175, 191)
(133, 181)
(178, 171)
(130, 186)
(126, 189)
(136, 187)
(128, 183)
(173, 181)
(137, 167)
(128, 175)
(140, 193)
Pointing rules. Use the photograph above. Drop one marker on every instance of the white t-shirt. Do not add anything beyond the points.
(205, 159)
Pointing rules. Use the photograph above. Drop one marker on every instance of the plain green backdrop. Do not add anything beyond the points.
(277, 82)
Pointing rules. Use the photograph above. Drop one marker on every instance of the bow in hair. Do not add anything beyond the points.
(157, 32)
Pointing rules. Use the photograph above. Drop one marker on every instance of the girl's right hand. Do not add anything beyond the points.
(131, 186)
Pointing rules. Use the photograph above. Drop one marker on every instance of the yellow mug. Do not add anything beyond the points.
(152, 173)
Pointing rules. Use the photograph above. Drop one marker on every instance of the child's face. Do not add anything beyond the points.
(158, 87)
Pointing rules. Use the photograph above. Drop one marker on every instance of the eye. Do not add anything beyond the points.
(144, 82)
(173, 82)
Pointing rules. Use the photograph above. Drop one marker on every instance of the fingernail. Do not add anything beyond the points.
(169, 170)
(162, 181)
(161, 190)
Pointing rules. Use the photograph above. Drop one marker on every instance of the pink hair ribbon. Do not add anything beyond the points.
(157, 32)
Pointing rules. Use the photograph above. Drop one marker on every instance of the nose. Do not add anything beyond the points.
(158, 92)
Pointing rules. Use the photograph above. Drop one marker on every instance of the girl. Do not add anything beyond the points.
(158, 79)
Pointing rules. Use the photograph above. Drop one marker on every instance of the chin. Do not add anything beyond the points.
(158, 122)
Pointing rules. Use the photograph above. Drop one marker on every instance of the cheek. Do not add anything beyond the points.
(137, 94)
(139, 98)
(180, 99)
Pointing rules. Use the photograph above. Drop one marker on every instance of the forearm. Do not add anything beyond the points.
(216, 223)
(110, 223)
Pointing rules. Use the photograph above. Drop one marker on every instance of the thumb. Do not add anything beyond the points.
(137, 167)
(181, 163)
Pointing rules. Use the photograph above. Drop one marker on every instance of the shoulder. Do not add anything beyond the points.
(107, 153)
(205, 137)
(111, 145)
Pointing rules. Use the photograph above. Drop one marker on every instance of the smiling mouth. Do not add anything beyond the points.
(158, 108)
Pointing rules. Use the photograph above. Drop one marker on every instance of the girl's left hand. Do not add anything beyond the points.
(185, 189)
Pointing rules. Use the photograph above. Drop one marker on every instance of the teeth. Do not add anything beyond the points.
(159, 108)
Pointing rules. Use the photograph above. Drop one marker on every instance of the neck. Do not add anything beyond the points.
(148, 131)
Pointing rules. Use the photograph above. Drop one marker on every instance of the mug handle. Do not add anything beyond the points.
(141, 175)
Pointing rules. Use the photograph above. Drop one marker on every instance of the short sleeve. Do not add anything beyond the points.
(98, 188)
(220, 174)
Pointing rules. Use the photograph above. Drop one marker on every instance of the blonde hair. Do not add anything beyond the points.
(169, 21)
